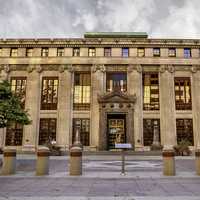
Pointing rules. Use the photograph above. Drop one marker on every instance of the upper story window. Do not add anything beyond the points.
(0, 52)
(60, 52)
(150, 91)
(125, 52)
(82, 87)
(49, 96)
(187, 53)
(183, 93)
(107, 52)
(172, 52)
(91, 52)
(76, 51)
(140, 52)
(14, 52)
(45, 52)
(18, 87)
(116, 80)
(156, 52)
(29, 52)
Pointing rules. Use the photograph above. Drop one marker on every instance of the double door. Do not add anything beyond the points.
(116, 130)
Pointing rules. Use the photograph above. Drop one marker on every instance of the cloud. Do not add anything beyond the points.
(69, 18)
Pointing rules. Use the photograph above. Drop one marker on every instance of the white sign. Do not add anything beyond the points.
(123, 146)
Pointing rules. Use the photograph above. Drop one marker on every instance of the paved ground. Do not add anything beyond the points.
(102, 180)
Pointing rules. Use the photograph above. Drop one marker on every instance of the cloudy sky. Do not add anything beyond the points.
(71, 18)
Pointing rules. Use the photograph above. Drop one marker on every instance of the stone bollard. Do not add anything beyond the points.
(42, 166)
(9, 161)
(168, 162)
(197, 161)
(75, 161)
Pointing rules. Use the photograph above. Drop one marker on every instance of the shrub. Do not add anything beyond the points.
(182, 149)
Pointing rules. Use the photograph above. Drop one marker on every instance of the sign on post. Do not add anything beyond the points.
(123, 147)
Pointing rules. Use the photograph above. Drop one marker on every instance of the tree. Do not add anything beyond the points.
(11, 110)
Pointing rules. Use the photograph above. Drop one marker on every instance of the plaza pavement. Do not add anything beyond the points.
(101, 180)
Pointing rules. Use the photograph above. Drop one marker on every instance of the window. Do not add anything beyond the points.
(150, 91)
(91, 52)
(156, 52)
(47, 131)
(125, 52)
(49, 97)
(172, 52)
(29, 52)
(140, 52)
(82, 85)
(14, 134)
(0, 52)
(60, 52)
(183, 93)
(116, 80)
(18, 87)
(84, 125)
(45, 52)
(14, 52)
(107, 52)
(151, 131)
(184, 130)
(187, 53)
(76, 52)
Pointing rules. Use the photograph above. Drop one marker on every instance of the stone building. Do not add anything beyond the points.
(118, 87)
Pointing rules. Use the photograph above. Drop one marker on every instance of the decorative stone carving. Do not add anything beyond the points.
(38, 68)
(70, 68)
(4, 72)
(130, 68)
(61, 68)
(194, 69)
(139, 68)
(30, 68)
(170, 68)
(162, 69)
(101, 68)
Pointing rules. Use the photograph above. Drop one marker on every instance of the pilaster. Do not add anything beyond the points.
(167, 106)
(135, 87)
(64, 107)
(196, 105)
(97, 88)
(30, 136)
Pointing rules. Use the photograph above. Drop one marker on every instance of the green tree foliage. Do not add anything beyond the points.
(10, 107)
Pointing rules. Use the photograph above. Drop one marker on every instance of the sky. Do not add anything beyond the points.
(71, 18)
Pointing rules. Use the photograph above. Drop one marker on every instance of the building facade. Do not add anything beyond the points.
(118, 87)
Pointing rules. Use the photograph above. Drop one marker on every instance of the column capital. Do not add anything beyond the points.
(4, 72)
(69, 68)
(138, 68)
(195, 68)
(166, 68)
(98, 67)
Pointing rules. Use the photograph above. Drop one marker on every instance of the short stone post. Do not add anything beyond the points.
(42, 166)
(76, 156)
(197, 161)
(168, 162)
(9, 161)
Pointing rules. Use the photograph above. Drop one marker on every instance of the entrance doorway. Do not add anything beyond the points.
(116, 129)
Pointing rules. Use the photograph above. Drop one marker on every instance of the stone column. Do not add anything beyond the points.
(33, 92)
(167, 118)
(135, 87)
(167, 106)
(196, 113)
(96, 88)
(196, 105)
(3, 76)
(64, 107)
